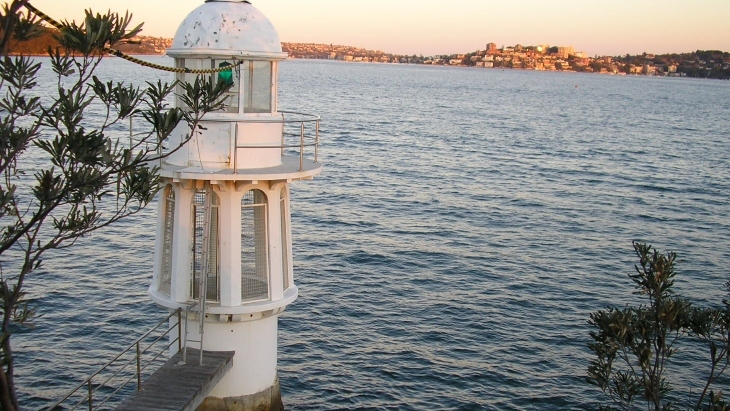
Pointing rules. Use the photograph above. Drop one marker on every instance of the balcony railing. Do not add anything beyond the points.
(300, 136)
(301, 132)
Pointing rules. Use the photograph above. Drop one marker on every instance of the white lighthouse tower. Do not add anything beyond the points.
(223, 247)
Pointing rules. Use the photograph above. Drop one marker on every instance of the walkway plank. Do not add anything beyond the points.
(180, 387)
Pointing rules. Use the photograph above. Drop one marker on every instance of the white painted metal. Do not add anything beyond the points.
(254, 365)
(227, 29)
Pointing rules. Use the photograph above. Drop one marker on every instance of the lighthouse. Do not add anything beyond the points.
(223, 251)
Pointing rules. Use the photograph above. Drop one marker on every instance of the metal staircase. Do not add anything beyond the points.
(162, 387)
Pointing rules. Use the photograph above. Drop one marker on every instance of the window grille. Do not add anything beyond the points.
(284, 241)
(254, 249)
(168, 230)
(197, 261)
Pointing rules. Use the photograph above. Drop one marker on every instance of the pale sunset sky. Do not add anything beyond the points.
(428, 27)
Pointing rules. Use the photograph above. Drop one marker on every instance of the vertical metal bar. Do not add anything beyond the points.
(91, 394)
(185, 346)
(301, 147)
(283, 132)
(235, 149)
(208, 215)
(316, 142)
(139, 369)
(249, 92)
(201, 350)
(179, 330)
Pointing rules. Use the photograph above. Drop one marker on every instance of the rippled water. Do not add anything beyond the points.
(466, 223)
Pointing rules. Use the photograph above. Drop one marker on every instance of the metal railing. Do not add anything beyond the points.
(145, 140)
(300, 131)
(292, 127)
(99, 388)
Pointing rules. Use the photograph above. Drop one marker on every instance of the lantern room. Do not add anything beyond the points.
(241, 43)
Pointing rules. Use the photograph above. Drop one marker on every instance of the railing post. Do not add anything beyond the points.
(91, 395)
(139, 369)
(316, 142)
(235, 149)
(283, 133)
(301, 147)
(185, 346)
(179, 329)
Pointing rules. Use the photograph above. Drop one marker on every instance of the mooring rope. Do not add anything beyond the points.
(50, 20)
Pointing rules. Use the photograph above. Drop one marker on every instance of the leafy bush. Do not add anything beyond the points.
(633, 346)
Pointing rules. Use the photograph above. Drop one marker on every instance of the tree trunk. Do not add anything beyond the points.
(8, 396)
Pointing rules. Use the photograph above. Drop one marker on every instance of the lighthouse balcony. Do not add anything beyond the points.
(259, 146)
(243, 312)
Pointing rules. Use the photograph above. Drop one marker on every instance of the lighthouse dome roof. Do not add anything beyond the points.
(226, 28)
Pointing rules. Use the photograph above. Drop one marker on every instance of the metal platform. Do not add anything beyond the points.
(180, 387)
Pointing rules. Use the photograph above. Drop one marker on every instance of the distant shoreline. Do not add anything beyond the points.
(494, 68)
(407, 64)
(701, 64)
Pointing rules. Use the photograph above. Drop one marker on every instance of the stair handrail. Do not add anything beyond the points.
(87, 383)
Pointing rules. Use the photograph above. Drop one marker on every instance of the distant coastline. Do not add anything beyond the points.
(39, 46)
(701, 63)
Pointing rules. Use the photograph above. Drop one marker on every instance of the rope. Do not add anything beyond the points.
(50, 20)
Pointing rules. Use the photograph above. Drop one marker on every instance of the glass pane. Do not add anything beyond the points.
(257, 75)
(194, 64)
(230, 77)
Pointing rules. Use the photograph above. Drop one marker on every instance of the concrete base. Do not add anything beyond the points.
(267, 400)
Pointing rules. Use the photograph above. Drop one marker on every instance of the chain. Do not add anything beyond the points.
(117, 53)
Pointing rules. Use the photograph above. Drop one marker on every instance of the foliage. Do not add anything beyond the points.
(633, 346)
(62, 174)
(16, 28)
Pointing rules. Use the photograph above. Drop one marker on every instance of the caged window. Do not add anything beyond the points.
(254, 248)
(205, 260)
(167, 235)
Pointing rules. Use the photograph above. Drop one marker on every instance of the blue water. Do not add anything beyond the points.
(466, 223)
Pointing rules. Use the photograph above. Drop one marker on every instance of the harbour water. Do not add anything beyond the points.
(466, 223)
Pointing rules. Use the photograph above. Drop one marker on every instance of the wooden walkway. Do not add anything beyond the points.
(180, 387)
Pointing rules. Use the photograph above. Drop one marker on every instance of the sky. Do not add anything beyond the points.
(431, 27)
